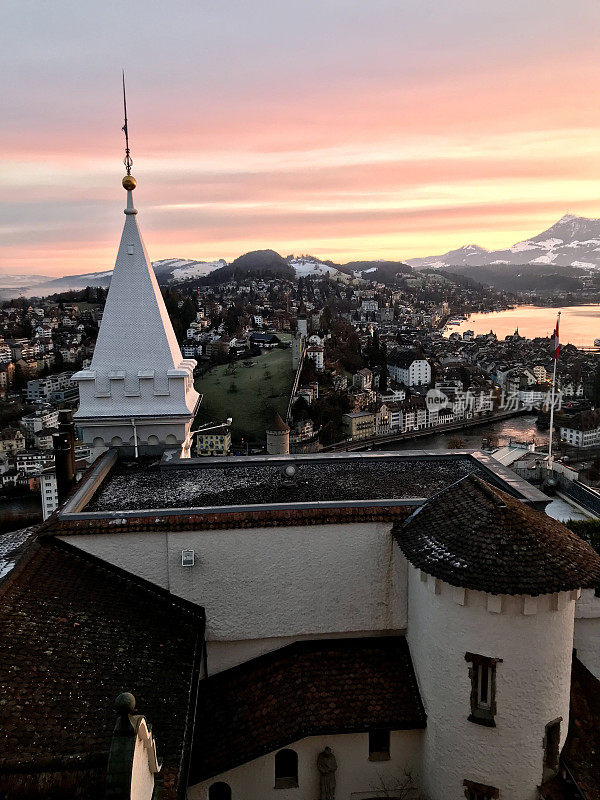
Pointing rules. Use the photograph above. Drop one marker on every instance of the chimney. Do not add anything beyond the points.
(63, 443)
(66, 425)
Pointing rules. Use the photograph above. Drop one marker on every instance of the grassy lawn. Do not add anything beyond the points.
(260, 388)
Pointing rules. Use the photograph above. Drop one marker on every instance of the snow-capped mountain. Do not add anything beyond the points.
(168, 271)
(572, 241)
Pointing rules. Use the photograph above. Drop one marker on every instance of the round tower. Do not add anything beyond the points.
(278, 437)
(492, 585)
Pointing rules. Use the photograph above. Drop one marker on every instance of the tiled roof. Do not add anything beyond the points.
(403, 358)
(12, 545)
(74, 633)
(473, 535)
(277, 424)
(266, 518)
(305, 689)
(584, 421)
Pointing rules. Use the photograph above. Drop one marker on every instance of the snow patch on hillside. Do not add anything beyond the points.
(308, 267)
(194, 269)
(520, 246)
(585, 265)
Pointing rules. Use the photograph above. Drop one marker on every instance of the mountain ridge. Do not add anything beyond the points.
(572, 241)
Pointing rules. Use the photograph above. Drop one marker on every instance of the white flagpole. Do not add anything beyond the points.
(550, 461)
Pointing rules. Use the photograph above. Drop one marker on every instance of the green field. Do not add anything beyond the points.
(259, 389)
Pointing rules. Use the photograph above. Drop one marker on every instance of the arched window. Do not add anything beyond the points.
(219, 791)
(286, 769)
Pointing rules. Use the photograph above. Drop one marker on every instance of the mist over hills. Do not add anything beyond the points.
(557, 258)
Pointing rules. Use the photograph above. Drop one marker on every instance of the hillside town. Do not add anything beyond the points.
(366, 359)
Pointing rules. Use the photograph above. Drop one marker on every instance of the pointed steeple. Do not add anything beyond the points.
(138, 392)
(136, 332)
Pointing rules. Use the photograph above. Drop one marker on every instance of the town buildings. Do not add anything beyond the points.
(213, 440)
(581, 430)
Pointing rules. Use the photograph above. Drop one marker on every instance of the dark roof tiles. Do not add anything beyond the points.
(478, 537)
(305, 689)
(75, 633)
(225, 520)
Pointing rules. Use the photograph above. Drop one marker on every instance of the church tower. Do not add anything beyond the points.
(138, 394)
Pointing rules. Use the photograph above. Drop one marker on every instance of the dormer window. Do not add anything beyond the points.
(482, 672)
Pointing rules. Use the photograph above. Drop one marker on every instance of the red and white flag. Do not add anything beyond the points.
(556, 341)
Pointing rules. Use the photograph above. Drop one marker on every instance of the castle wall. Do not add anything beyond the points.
(587, 631)
(533, 684)
(262, 584)
(356, 776)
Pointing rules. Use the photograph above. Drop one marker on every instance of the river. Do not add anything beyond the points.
(579, 325)
(518, 429)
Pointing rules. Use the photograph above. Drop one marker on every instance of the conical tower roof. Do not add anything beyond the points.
(277, 424)
(475, 536)
(136, 332)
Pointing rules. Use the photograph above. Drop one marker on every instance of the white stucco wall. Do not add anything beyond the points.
(533, 683)
(356, 776)
(272, 583)
(587, 631)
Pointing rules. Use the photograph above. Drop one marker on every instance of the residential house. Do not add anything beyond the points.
(409, 368)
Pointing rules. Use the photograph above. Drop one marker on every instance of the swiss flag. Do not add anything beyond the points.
(556, 342)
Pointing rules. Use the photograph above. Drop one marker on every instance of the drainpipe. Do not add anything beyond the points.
(135, 439)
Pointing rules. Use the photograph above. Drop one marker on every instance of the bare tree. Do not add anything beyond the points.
(399, 787)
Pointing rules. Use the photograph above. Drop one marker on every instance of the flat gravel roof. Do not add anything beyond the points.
(135, 486)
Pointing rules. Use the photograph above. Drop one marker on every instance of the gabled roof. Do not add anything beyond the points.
(403, 358)
(308, 688)
(478, 537)
(74, 633)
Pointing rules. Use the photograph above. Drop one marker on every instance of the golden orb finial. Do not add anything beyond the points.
(129, 183)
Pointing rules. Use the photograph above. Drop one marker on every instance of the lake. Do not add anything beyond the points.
(579, 325)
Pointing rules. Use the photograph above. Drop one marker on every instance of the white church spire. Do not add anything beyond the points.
(138, 392)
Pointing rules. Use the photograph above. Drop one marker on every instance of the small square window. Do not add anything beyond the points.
(482, 672)
(379, 745)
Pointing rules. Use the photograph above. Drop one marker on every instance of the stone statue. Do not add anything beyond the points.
(327, 766)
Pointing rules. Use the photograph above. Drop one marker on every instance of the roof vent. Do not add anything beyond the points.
(289, 473)
(188, 558)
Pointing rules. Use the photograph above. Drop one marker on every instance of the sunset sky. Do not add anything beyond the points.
(379, 128)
